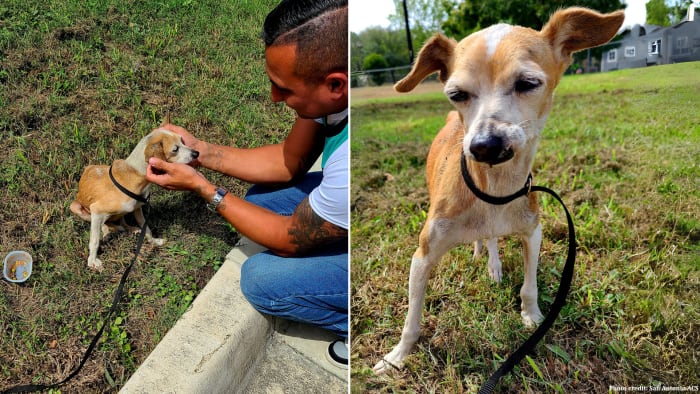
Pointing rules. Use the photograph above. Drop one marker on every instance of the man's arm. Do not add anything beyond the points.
(293, 235)
(277, 163)
(284, 235)
(308, 231)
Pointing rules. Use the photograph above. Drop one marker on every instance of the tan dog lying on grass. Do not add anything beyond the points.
(102, 204)
(501, 82)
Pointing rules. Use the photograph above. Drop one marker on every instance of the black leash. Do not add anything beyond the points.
(117, 296)
(567, 274)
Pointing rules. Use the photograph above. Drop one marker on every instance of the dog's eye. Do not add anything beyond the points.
(176, 148)
(459, 96)
(527, 85)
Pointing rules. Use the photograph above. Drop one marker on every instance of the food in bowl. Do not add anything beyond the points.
(18, 271)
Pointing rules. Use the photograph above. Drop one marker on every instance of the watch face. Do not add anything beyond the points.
(214, 204)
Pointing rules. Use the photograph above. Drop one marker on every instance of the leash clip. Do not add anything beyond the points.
(528, 184)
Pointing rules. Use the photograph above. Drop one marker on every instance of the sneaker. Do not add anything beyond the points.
(338, 353)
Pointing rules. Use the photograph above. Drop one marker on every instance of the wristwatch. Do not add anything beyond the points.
(216, 200)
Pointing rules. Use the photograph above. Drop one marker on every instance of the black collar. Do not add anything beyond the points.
(126, 191)
(487, 197)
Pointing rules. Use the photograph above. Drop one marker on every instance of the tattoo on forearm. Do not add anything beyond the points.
(217, 158)
(309, 231)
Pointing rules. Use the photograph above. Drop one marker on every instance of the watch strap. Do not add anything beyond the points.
(216, 200)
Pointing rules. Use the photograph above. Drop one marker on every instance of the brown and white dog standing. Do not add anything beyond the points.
(501, 82)
(101, 203)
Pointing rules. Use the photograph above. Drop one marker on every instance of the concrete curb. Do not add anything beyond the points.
(214, 345)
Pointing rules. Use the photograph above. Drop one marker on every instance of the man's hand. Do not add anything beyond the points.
(175, 176)
(188, 139)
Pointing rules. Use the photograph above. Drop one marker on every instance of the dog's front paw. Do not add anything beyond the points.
(532, 318)
(383, 366)
(95, 264)
(157, 241)
(393, 360)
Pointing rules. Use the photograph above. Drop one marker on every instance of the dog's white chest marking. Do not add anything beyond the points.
(493, 36)
(130, 206)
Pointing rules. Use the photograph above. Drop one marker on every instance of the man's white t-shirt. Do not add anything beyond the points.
(329, 200)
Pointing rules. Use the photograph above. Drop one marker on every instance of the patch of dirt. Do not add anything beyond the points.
(357, 95)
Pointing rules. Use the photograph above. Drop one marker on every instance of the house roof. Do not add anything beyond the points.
(640, 30)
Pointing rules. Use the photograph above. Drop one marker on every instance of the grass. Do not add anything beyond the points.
(80, 83)
(622, 149)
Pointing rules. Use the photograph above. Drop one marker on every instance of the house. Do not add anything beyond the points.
(646, 45)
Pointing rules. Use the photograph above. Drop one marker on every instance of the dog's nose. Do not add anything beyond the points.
(195, 154)
(490, 149)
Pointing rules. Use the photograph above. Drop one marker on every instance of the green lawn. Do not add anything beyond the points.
(80, 83)
(623, 149)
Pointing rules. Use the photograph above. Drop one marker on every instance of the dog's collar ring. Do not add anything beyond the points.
(528, 183)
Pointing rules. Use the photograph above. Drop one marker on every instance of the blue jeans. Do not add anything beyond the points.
(312, 289)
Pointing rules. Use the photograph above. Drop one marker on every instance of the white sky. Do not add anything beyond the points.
(367, 13)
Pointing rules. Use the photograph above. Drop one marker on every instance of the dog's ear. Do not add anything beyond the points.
(154, 148)
(436, 55)
(167, 118)
(576, 28)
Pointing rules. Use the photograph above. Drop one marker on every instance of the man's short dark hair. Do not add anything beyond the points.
(319, 29)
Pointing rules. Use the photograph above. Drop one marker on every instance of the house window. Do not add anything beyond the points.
(612, 56)
(630, 51)
(655, 47)
(681, 45)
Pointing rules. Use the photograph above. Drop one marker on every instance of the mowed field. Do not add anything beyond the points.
(623, 150)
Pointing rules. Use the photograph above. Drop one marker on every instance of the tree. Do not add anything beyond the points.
(389, 43)
(356, 52)
(658, 13)
(679, 10)
(375, 61)
(425, 18)
(469, 16)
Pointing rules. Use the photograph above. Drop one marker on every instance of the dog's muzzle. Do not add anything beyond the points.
(490, 149)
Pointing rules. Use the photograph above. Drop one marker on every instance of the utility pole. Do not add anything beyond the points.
(408, 31)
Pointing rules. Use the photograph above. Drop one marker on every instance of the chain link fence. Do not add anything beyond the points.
(585, 62)
(381, 76)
